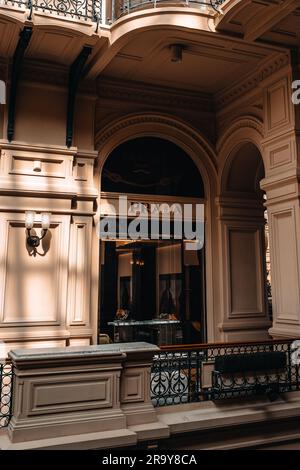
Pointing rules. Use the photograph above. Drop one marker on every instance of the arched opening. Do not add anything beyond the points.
(246, 248)
(246, 169)
(152, 258)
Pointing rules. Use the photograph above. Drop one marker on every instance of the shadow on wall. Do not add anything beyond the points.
(45, 244)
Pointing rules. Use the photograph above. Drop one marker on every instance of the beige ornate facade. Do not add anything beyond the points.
(228, 105)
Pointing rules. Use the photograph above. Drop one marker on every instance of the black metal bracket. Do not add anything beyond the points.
(76, 73)
(30, 8)
(34, 240)
(22, 45)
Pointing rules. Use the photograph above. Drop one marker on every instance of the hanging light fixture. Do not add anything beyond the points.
(176, 53)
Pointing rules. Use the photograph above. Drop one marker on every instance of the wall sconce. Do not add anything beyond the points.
(34, 240)
(37, 166)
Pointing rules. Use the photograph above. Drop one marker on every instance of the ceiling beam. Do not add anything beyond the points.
(273, 14)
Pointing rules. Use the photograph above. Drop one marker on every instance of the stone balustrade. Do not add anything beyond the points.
(98, 397)
(87, 397)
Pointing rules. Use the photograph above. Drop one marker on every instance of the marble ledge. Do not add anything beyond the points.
(81, 352)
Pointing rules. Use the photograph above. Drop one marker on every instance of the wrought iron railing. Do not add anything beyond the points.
(93, 9)
(121, 7)
(80, 9)
(188, 374)
(6, 388)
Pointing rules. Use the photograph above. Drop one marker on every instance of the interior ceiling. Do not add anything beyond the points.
(273, 21)
(9, 33)
(209, 61)
(47, 44)
(286, 31)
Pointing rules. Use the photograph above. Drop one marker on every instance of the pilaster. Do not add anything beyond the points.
(281, 154)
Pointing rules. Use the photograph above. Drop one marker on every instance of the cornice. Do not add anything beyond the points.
(112, 89)
(53, 74)
(56, 75)
(240, 88)
(24, 146)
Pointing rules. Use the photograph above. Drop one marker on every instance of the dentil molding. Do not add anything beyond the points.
(240, 88)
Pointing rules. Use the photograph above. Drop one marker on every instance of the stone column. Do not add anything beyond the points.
(281, 151)
(284, 231)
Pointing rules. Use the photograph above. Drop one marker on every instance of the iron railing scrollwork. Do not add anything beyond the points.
(216, 5)
(122, 7)
(92, 9)
(79, 9)
(188, 375)
(6, 389)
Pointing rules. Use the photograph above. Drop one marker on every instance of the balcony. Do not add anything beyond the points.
(85, 10)
(99, 11)
(199, 373)
(124, 7)
(116, 395)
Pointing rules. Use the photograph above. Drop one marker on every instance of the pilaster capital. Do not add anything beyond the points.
(280, 188)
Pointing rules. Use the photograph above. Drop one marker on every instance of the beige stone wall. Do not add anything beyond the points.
(46, 299)
(52, 298)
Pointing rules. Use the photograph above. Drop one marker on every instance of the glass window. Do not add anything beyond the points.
(152, 291)
(152, 287)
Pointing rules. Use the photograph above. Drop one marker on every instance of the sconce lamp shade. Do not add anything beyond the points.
(37, 165)
(46, 219)
(29, 219)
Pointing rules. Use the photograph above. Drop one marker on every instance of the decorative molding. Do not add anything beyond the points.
(243, 122)
(24, 146)
(54, 247)
(79, 271)
(53, 74)
(104, 135)
(59, 175)
(224, 98)
(112, 89)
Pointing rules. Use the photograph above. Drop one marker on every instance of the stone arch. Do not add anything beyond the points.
(200, 151)
(141, 125)
(243, 170)
(246, 130)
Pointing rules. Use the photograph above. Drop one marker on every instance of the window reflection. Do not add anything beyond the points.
(152, 291)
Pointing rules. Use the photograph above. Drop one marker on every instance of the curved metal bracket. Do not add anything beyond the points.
(76, 73)
(22, 45)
